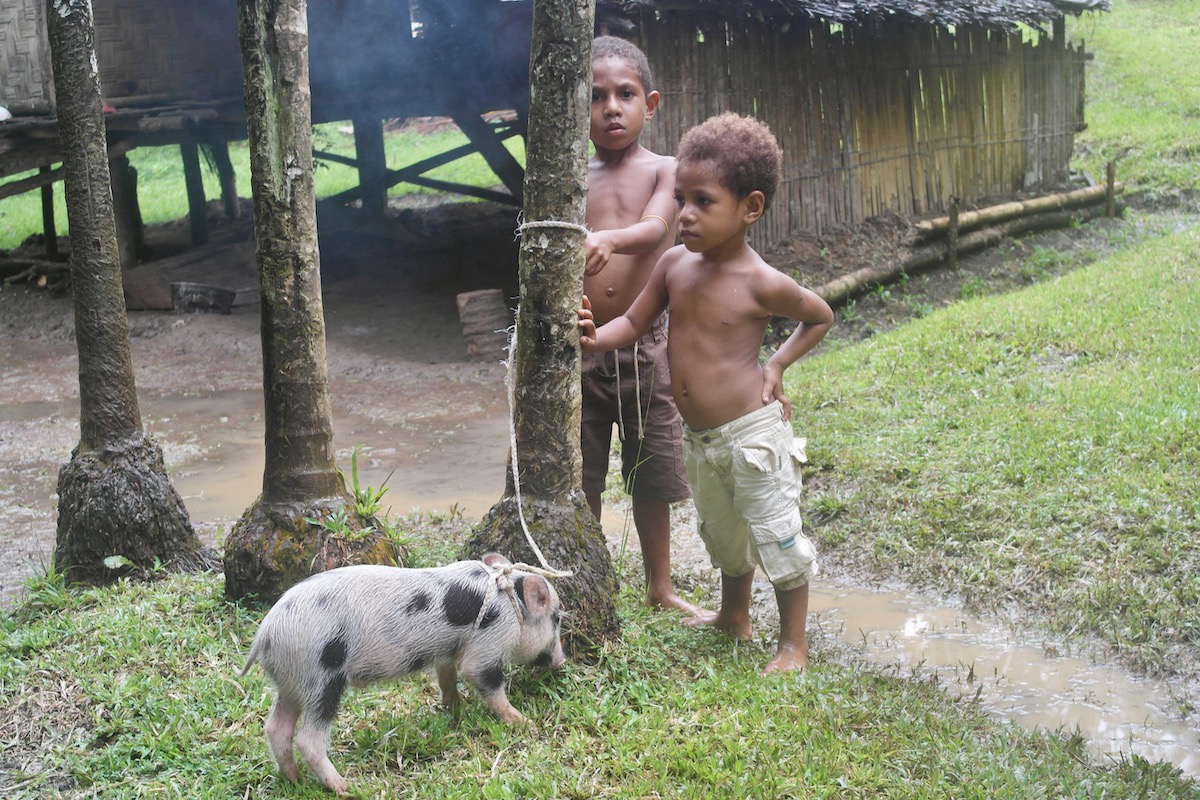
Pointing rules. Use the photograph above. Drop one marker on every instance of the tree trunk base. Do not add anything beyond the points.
(118, 501)
(274, 547)
(571, 539)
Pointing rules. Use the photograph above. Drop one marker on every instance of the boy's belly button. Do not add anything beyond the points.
(610, 291)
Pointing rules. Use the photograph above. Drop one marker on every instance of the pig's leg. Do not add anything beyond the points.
(312, 740)
(488, 679)
(447, 678)
(281, 725)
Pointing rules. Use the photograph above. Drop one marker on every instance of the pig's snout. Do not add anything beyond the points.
(552, 658)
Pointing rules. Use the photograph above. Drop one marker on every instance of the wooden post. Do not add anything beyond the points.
(49, 229)
(952, 247)
(1110, 191)
(125, 210)
(227, 177)
(197, 205)
(372, 164)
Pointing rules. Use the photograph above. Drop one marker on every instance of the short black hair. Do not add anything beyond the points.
(630, 53)
(741, 151)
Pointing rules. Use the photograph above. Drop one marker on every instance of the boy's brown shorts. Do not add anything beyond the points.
(655, 460)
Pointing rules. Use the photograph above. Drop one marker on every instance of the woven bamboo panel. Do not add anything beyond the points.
(174, 48)
(25, 73)
(895, 120)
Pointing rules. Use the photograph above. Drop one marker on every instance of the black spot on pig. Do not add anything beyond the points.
(461, 604)
(544, 659)
(331, 696)
(333, 655)
(418, 603)
(324, 599)
(491, 679)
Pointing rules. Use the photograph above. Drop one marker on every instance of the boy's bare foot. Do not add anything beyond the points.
(673, 601)
(737, 628)
(788, 658)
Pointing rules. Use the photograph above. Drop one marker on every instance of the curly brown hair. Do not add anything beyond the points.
(631, 54)
(741, 151)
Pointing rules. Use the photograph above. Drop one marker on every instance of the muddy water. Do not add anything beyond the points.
(213, 447)
(1036, 684)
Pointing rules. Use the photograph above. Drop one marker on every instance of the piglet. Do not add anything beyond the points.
(365, 624)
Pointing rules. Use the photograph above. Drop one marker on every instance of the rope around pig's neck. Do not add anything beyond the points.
(502, 582)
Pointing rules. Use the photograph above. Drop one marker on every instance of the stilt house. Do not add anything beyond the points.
(881, 106)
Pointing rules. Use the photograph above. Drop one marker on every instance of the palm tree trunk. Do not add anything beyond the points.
(116, 502)
(273, 546)
(544, 369)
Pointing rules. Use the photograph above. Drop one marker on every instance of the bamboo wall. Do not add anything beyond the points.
(898, 121)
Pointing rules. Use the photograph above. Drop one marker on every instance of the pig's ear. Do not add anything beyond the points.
(536, 593)
(495, 560)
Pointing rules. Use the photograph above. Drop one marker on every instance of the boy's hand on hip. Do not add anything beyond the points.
(773, 389)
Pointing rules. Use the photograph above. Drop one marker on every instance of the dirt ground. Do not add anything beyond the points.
(428, 419)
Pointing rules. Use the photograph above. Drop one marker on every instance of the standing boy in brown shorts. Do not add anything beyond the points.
(630, 214)
(742, 459)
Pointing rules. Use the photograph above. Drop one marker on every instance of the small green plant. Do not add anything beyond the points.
(973, 287)
(850, 312)
(338, 523)
(922, 309)
(1040, 263)
(368, 501)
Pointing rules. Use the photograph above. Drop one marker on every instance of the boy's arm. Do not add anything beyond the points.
(788, 299)
(626, 329)
(645, 235)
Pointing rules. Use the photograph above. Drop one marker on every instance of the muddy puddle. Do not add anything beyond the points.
(213, 447)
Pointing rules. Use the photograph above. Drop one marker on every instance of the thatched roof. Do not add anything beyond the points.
(1001, 14)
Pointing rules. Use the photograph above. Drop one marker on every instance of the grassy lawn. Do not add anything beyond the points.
(1034, 453)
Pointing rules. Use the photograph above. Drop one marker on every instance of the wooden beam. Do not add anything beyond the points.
(484, 137)
(372, 163)
(412, 173)
(197, 204)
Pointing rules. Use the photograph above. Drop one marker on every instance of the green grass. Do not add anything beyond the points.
(131, 692)
(1143, 99)
(1037, 449)
(162, 195)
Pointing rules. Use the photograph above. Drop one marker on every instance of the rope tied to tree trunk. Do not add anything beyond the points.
(516, 474)
(522, 225)
(548, 571)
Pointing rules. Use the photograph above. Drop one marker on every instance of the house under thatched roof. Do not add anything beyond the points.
(881, 106)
